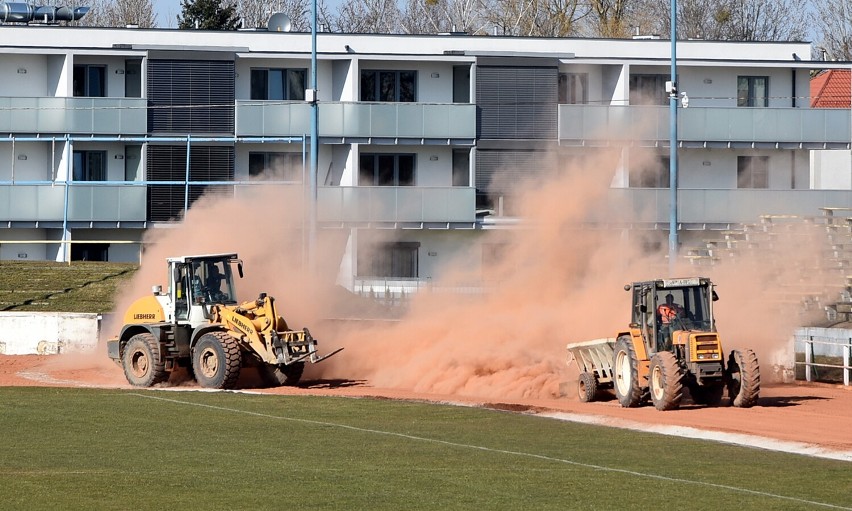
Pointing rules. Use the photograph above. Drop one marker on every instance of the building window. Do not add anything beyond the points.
(654, 173)
(648, 89)
(753, 91)
(573, 88)
(393, 86)
(461, 167)
(752, 171)
(389, 260)
(278, 84)
(89, 81)
(386, 170)
(282, 166)
(90, 166)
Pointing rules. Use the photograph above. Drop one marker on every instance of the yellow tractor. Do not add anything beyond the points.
(671, 343)
(198, 324)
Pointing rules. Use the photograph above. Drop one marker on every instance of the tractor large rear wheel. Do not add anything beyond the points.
(141, 361)
(666, 381)
(216, 361)
(743, 378)
(276, 376)
(626, 373)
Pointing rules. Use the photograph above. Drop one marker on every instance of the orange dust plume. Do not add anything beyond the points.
(553, 277)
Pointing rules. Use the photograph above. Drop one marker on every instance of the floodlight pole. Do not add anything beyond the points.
(673, 94)
(312, 179)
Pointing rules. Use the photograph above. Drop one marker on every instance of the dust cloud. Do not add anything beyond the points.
(558, 277)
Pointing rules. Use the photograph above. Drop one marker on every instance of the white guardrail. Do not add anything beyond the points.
(827, 342)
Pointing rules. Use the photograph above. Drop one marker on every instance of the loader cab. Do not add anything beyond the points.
(199, 282)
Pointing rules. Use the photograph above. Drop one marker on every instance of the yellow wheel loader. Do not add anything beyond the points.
(198, 324)
(671, 343)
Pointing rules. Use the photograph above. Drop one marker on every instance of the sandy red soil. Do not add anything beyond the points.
(819, 415)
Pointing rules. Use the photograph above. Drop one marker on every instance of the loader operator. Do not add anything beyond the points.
(214, 280)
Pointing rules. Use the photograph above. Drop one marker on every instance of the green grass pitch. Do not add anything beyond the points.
(147, 449)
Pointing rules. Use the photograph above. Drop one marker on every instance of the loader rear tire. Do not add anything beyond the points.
(626, 374)
(743, 378)
(276, 376)
(587, 387)
(141, 361)
(216, 361)
(666, 381)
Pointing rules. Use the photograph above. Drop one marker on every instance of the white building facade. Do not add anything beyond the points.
(101, 130)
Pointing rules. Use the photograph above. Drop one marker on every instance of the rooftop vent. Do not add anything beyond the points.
(12, 12)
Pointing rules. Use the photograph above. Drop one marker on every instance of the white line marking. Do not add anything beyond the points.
(502, 451)
(742, 439)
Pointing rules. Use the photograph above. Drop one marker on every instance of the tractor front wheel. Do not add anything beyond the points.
(141, 361)
(216, 361)
(743, 378)
(666, 381)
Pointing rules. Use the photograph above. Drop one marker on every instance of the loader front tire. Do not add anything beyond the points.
(141, 361)
(276, 376)
(216, 361)
(626, 373)
(587, 387)
(666, 381)
(743, 378)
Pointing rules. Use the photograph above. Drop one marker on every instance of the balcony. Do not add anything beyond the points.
(598, 125)
(48, 115)
(705, 208)
(426, 123)
(86, 203)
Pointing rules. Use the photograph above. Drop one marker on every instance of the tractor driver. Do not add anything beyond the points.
(666, 314)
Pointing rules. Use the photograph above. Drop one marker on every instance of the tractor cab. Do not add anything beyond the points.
(197, 282)
(662, 307)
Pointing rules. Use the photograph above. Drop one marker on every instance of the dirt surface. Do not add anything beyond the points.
(817, 415)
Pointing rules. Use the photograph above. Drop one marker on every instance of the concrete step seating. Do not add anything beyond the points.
(829, 231)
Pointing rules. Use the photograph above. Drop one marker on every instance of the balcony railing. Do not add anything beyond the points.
(86, 203)
(390, 204)
(604, 124)
(358, 120)
(643, 205)
(45, 115)
(377, 205)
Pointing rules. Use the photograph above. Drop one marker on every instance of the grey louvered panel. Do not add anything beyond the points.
(500, 171)
(191, 96)
(516, 102)
(168, 163)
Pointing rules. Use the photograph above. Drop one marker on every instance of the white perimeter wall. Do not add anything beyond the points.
(45, 333)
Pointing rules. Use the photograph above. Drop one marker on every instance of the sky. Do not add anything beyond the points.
(167, 12)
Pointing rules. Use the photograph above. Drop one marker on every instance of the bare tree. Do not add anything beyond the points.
(256, 13)
(434, 16)
(733, 20)
(120, 13)
(833, 22)
(368, 17)
(610, 18)
(511, 17)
